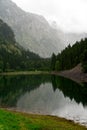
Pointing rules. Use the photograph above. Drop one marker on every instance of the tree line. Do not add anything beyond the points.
(70, 57)
(13, 57)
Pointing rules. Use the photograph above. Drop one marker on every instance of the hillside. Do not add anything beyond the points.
(31, 31)
(71, 56)
(13, 56)
(75, 74)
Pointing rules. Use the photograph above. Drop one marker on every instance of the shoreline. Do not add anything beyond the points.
(74, 74)
(76, 122)
(58, 121)
(23, 73)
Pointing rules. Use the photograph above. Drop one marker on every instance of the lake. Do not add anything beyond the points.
(45, 94)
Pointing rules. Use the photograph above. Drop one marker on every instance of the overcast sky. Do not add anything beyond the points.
(70, 15)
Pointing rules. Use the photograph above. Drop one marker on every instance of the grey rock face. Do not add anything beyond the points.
(31, 31)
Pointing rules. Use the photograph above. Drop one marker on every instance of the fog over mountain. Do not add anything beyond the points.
(31, 31)
(68, 37)
(70, 15)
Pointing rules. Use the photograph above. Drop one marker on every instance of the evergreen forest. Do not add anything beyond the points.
(70, 57)
(13, 57)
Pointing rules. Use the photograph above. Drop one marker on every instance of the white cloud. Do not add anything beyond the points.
(71, 15)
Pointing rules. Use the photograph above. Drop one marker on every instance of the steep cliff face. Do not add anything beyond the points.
(31, 31)
(14, 57)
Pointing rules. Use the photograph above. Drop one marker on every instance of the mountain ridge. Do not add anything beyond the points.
(13, 57)
(32, 31)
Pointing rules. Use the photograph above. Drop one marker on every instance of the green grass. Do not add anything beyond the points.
(24, 73)
(21, 121)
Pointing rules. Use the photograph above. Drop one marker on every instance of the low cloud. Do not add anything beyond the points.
(70, 15)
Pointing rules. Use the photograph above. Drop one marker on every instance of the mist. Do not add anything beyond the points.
(70, 15)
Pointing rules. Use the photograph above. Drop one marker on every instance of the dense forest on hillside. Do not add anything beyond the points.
(32, 31)
(14, 57)
(71, 56)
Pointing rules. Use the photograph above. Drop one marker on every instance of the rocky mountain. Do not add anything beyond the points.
(31, 31)
(14, 57)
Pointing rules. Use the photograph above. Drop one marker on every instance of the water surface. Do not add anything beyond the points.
(45, 94)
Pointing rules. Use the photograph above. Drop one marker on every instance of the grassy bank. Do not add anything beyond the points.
(25, 73)
(20, 121)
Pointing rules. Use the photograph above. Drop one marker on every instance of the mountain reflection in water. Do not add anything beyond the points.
(45, 94)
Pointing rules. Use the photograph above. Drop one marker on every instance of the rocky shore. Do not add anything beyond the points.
(75, 74)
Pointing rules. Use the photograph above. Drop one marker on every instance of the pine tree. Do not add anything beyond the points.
(53, 62)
